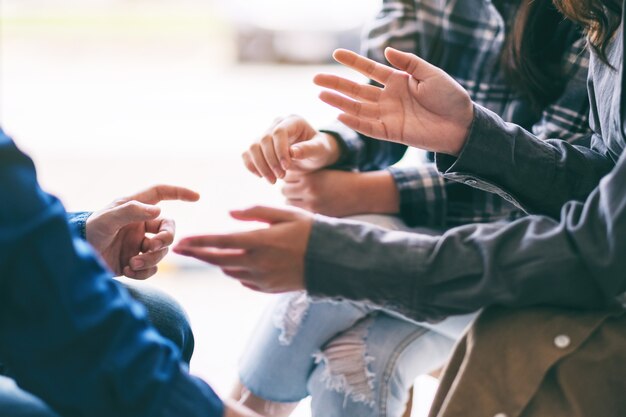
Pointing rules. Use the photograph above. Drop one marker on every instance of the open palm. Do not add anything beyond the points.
(418, 104)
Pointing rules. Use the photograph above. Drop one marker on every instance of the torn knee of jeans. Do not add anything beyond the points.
(289, 315)
(346, 364)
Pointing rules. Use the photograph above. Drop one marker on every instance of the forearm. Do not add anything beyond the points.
(577, 262)
(539, 176)
(379, 193)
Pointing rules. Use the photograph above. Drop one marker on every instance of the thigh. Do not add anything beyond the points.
(15, 402)
(280, 356)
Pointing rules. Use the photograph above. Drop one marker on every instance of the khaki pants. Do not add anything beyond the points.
(539, 362)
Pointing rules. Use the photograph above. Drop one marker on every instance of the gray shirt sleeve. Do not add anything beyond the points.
(538, 176)
(577, 261)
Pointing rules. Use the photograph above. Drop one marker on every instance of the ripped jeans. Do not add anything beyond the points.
(353, 359)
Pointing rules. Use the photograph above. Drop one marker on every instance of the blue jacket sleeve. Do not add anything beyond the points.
(68, 332)
(78, 222)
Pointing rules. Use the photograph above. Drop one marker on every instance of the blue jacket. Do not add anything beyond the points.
(68, 332)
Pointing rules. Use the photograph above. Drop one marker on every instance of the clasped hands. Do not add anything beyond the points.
(417, 105)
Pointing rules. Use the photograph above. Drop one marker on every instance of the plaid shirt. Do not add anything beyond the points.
(465, 38)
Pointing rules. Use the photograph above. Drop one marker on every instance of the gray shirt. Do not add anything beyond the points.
(570, 253)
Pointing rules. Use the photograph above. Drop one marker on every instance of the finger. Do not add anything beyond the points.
(347, 87)
(281, 144)
(147, 260)
(293, 176)
(293, 190)
(371, 69)
(300, 203)
(308, 150)
(242, 240)
(246, 284)
(356, 108)
(218, 257)
(258, 159)
(411, 64)
(143, 274)
(264, 214)
(247, 161)
(368, 127)
(158, 193)
(131, 212)
(164, 231)
(268, 149)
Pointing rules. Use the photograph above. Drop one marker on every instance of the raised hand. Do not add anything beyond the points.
(290, 144)
(120, 232)
(269, 260)
(419, 104)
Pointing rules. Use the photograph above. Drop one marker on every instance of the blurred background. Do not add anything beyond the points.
(112, 96)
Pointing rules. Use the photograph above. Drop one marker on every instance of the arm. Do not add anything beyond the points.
(454, 203)
(67, 331)
(422, 106)
(576, 262)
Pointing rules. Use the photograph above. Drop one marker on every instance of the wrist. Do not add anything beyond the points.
(378, 192)
(332, 148)
(466, 129)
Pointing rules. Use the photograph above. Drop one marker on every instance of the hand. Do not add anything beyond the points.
(269, 260)
(234, 409)
(342, 193)
(290, 143)
(419, 105)
(119, 232)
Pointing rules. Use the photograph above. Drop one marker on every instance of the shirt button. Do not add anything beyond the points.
(562, 341)
(471, 182)
(500, 415)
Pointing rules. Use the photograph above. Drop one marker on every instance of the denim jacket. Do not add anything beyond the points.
(69, 333)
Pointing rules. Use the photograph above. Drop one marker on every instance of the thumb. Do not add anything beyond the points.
(411, 64)
(264, 214)
(130, 212)
(307, 150)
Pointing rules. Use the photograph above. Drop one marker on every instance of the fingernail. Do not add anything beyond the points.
(284, 164)
(156, 245)
(137, 264)
(295, 152)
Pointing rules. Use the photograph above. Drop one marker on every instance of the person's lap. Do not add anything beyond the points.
(299, 347)
(164, 313)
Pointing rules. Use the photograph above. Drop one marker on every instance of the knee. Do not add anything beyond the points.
(343, 375)
(168, 317)
(15, 402)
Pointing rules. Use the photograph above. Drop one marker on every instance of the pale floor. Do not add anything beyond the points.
(106, 116)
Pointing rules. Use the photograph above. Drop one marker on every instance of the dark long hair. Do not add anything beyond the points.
(534, 50)
(600, 18)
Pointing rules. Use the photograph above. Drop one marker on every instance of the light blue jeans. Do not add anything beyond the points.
(352, 359)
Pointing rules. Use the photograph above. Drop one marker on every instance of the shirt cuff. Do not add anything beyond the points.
(422, 195)
(485, 155)
(78, 222)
